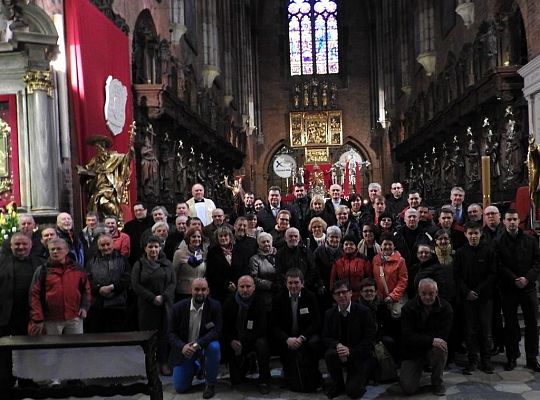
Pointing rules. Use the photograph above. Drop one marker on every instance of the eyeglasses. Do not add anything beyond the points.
(341, 292)
(368, 290)
(491, 213)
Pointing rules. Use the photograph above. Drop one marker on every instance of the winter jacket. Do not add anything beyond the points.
(67, 291)
(395, 274)
(353, 267)
(517, 256)
(419, 328)
(105, 270)
(475, 268)
(186, 268)
(263, 270)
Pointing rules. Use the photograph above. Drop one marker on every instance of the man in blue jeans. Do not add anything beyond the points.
(194, 331)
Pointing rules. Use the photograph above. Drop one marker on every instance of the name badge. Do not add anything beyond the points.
(250, 325)
(209, 325)
(304, 310)
(198, 256)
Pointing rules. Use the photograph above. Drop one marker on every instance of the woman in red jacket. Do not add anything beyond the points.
(390, 273)
(352, 266)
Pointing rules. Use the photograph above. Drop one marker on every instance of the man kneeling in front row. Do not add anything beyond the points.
(425, 326)
(349, 334)
(194, 332)
(244, 331)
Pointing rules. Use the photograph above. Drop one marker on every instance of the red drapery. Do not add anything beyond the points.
(8, 112)
(96, 49)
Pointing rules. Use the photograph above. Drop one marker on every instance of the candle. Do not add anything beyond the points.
(486, 181)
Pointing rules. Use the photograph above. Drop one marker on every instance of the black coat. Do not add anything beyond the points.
(254, 326)
(105, 270)
(517, 256)
(300, 257)
(329, 207)
(219, 274)
(418, 329)
(361, 330)
(243, 249)
(300, 209)
(475, 268)
(442, 274)
(308, 316)
(134, 229)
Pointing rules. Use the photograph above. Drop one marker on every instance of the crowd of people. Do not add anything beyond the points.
(371, 286)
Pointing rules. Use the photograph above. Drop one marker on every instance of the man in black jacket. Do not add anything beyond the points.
(244, 247)
(295, 325)
(425, 326)
(296, 255)
(244, 331)
(194, 330)
(348, 336)
(519, 264)
(300, 208)
(16, 270)
(475, 270)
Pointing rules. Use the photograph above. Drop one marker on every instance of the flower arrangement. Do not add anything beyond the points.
(9, 221)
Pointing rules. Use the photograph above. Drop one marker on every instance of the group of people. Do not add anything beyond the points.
(338, 279)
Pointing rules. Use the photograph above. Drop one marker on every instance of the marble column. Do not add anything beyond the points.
(44, 163)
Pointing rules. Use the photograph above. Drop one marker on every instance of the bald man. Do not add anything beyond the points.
(199, 206)
(194, 330)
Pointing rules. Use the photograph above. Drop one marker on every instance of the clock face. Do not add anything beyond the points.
(284, 165)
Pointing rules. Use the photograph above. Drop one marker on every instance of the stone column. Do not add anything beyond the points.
(42, 145)
(531, 90)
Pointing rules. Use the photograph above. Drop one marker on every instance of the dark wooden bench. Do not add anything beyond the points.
(147, 340)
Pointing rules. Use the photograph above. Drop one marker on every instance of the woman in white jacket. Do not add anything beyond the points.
(189, 262)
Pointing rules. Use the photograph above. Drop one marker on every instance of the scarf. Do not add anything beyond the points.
(331, 250)
(243, 307)
(227, 252)
(320, 241)
(363, 248)
(445, 256)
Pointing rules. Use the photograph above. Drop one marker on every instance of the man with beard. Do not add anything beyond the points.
(16, 271)
(244, 247)
(244, 331)
(194, 331)
(395, 201)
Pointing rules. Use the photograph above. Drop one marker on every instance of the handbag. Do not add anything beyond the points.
(386, 369)
(394, 307)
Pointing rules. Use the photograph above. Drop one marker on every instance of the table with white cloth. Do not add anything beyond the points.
(82, 358)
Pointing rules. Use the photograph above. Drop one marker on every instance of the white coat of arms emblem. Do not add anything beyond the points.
(115, 105)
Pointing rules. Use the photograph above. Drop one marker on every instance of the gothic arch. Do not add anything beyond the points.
(146, 50)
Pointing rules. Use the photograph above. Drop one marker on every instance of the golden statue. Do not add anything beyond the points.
(533, 165)
(108, 175)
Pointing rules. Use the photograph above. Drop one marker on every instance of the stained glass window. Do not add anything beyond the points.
(313, 37)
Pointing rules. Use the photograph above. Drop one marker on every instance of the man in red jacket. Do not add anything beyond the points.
(60, 293)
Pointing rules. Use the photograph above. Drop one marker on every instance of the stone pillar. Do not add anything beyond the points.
(42, 145)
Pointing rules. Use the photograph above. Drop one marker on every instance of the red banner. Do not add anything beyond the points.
(8, 113)
(96, 48)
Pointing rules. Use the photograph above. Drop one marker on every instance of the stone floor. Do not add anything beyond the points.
(502, 385)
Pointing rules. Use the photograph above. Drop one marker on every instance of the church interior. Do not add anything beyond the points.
(271, 92)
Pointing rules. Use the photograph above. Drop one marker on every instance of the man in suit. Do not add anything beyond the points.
(457, 197)
(194, 331)
(348, 335)
(199, 206)
(295, 325)
(244, 331)
(267, 216)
